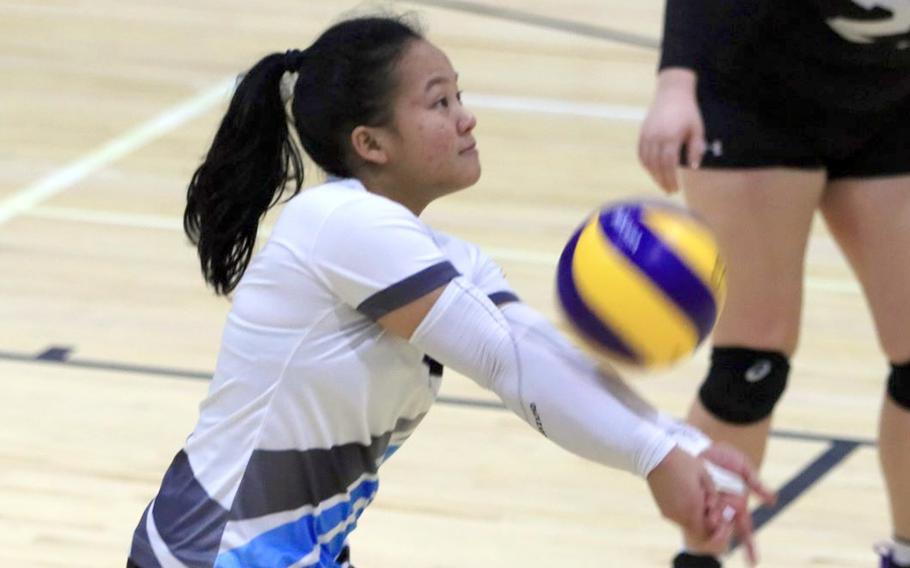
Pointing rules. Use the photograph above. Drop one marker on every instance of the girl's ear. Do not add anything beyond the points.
(369, 144)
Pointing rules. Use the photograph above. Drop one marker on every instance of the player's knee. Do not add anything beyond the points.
(899, 384)
(744, 385)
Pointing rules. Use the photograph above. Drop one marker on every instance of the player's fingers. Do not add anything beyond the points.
(651, 152)
(707, 484)
(695, 146)
(713, 514)
(768, 496)
(669, 161)
(743, 521)
(721, 536)
(642, 145)
(748, 475)
(712, 502)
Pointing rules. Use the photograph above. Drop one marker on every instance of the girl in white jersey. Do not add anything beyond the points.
(339, 329)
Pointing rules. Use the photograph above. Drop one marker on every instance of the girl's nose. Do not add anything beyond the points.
(467, 121)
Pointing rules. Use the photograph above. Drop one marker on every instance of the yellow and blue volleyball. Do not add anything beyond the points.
(643, 281)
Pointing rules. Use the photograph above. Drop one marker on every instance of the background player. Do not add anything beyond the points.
(782, 109)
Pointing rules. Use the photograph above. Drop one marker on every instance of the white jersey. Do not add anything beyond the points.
(309, 394)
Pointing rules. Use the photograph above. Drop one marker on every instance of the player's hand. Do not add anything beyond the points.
(673, 120)
(685, 495)
(734, 505)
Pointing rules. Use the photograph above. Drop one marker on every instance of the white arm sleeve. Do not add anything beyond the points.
(687, 437)
(517, 354)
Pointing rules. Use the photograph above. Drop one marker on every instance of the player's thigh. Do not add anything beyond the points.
(870, 218)
(762, 218)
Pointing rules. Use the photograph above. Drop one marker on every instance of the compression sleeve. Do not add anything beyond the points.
(540, 377)
(477, 267)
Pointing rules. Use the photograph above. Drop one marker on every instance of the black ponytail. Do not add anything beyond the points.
(243, 175)
(346, 79)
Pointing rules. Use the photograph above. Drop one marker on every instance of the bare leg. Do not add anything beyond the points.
(762, 220)
(871, 220)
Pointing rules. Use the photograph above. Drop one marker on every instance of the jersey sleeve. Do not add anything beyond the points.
(377, 256)
(481, 270)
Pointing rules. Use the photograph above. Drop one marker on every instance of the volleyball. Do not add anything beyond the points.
(642, 281)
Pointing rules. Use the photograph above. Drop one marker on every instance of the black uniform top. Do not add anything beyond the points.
(845, 55)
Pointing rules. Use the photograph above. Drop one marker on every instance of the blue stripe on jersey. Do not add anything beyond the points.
(503, 297)
(191, 523)
(407, 290)
(390, 452)
(288, 543)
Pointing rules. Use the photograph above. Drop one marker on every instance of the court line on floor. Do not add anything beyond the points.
(51, 185)
(554, 106)
(27, 198)
(62, 355)
(837, 452)
(506, 254)
(839, 448)
(548, 22)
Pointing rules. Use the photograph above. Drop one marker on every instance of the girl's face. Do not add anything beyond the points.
(431, 145)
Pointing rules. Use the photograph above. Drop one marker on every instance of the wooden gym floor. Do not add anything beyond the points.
(107, 332)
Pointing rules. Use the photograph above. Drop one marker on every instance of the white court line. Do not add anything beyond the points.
(132, 220)
(51, 185)
(45, 188)
(26, 200)
(505, 254)
(555, 106)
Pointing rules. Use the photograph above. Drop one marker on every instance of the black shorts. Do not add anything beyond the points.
(748, 131)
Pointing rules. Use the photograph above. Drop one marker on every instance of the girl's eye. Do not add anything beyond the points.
(443, 102)
(458, 96)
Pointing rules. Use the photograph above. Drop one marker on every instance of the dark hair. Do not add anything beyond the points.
(346, 79)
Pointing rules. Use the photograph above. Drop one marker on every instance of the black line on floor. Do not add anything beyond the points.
(839, 448)
(570, 26)
(206, 375)
(802, 481)
(105, 365)
(55, 353)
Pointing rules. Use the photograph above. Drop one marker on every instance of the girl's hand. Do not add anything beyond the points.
(673, 120)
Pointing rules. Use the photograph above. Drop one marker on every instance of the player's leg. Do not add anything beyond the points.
(870, 219)
(762, 219)
(758, 188)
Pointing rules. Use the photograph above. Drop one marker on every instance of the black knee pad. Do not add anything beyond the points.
(743, 385)
(899, 384)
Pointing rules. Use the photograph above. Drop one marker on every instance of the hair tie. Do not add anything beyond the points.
(293, 59)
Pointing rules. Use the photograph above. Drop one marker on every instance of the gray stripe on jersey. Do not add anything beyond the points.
(188, 520)
(503, 297)
(407, 290)
(191, 523)
(282, 480)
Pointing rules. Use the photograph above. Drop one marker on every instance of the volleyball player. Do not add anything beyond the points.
(340, 326)
(781, 109)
